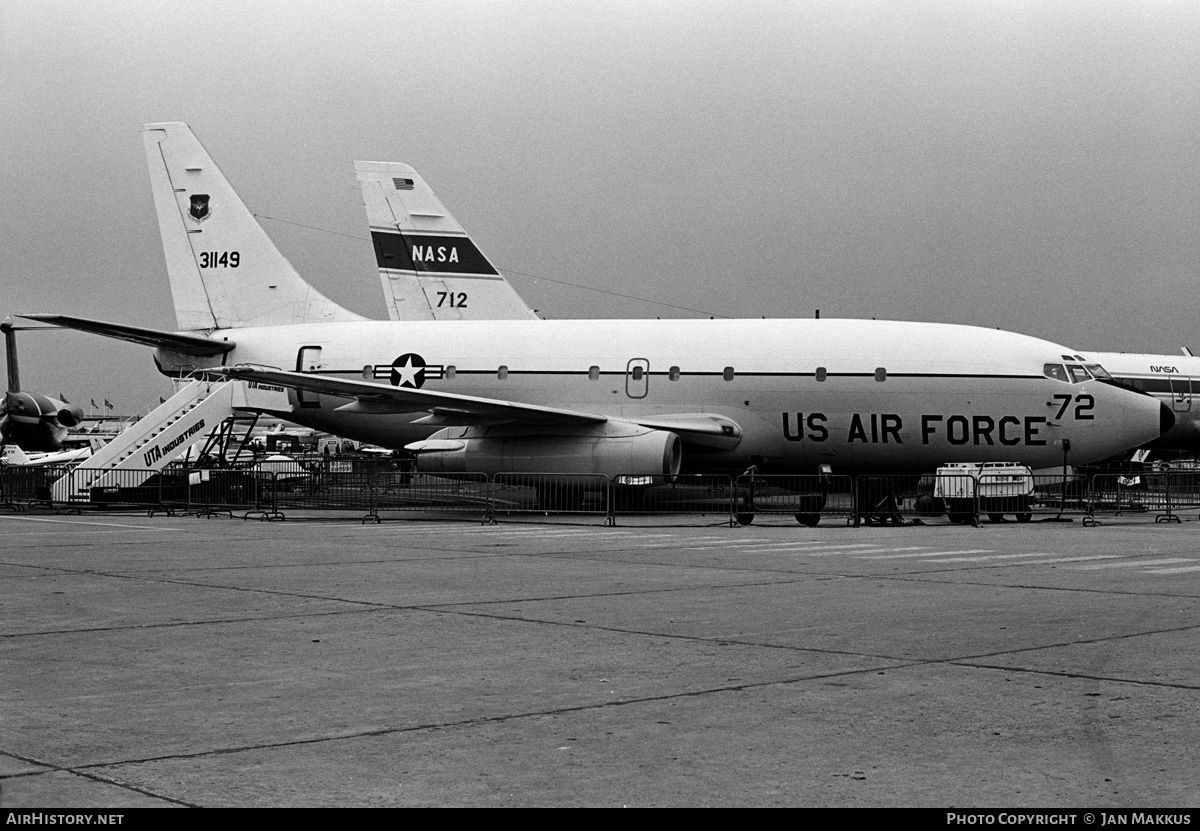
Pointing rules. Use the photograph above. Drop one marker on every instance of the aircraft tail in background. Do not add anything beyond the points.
(15, 456)
(224, 270)
(429, 267)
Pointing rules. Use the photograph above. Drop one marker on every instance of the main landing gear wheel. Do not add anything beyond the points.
(811, 506)
(745, 519)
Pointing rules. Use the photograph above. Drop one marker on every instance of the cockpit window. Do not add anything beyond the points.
(1056, 372)
(1078, 374)
(1098, 372)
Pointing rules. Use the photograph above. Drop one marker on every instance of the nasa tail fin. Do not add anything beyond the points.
(429, 267)
(224, 270)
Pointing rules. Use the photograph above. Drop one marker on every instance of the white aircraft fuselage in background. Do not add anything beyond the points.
(1173, 379)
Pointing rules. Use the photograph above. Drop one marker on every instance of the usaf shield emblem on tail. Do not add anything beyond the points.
(199, 209)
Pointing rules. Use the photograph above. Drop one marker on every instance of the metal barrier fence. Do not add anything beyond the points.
(549, 493)
(1182, 494)
(1165, 494)
(322, 491)
(119, 489)
(1113, 493)
(26, 486)
(808, 498)
(80, 487)
(701, 494)
(171, 491)
(379, 490)
(897, 500)
(457, 493)
(1062, 496)
(215, 492)
(963, 498)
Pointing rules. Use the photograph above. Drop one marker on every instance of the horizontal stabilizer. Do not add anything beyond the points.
(174, 342)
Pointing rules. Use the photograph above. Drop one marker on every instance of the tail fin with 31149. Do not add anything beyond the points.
(224, 270)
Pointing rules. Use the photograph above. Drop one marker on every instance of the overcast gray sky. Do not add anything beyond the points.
(1026, 165)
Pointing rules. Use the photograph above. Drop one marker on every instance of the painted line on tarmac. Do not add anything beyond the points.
(540, 533)
(771, 548)
(86, 522)
(881, 553)
(1031, 562)
(1180, 570)
(848, 548)
(990, 557)
(819, 552)
(1138, 563)
(1077, 559)
(564, 532)
(709, 547)
(928, 553)
(543, 534)
(809, 544)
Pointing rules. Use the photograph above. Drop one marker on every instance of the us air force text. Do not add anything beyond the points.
(884, 428)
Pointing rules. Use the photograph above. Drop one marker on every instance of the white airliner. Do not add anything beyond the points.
(635, 397)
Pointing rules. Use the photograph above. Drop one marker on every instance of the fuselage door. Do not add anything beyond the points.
(637, 378)
(308, 360)
(1181, 394)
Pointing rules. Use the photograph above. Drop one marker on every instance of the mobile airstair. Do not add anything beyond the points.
(149, 445)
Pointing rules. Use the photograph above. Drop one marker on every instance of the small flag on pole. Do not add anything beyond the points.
(108, 403)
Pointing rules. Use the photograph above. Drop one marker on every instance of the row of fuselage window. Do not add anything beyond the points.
(1077, 373)
(637, 373)
(1176, 386)
(1068, 374)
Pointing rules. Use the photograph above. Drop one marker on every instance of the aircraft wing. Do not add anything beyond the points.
(172, 341)
(451, 409)
(444, 407)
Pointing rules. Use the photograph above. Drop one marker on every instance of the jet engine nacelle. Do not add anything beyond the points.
(610, 449)
(70, 416)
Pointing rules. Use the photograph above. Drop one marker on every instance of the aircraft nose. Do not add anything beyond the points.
(1166, 418)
